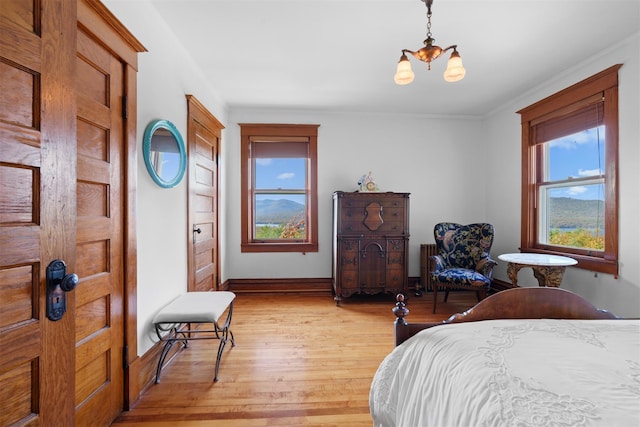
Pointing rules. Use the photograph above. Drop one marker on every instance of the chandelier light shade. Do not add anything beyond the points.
(404, 73)
(455, 70)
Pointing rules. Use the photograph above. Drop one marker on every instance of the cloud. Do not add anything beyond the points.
(570, 142)
(286, 175)
(263, 162)
(574, 191)
(590, 172)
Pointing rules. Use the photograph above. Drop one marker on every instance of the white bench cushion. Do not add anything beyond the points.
(195, 307)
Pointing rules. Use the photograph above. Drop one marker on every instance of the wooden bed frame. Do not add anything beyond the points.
(516, 303)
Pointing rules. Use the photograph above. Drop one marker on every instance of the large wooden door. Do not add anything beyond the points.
(99, 333)
(37, 208)
(203, 139)
(62, 136)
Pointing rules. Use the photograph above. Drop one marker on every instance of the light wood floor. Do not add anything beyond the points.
(298, 361)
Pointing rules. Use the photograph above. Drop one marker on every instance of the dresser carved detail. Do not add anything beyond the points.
(370, 243)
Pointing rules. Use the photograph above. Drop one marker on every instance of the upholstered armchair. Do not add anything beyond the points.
(463, 260)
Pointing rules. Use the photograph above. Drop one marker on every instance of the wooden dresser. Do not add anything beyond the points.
(370, 243)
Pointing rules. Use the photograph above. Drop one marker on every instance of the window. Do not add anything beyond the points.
(570, 173)
(279, 188)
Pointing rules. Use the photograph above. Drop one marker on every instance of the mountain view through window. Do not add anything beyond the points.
(572, 192)
(280, 199)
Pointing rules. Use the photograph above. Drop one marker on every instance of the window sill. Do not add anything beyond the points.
(279, 247)
(591, 263)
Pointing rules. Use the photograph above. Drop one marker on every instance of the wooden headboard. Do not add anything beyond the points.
(516, 303)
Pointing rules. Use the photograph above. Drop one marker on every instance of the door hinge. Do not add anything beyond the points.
(124, 107)
(125, 357)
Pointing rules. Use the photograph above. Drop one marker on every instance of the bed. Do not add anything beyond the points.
(521, 357)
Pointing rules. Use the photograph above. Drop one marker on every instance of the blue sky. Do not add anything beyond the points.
(578, 156)
(280, 173)
(285, 173)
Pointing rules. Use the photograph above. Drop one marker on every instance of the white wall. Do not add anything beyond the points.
(620, 295)
(165, 76)
(434, 159)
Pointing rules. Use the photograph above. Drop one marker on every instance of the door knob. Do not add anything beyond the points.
(196, 229)
(58, 284)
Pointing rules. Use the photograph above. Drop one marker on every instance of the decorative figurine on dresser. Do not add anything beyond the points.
(370, 243)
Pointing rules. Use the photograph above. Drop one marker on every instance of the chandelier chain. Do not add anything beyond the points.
(429, 24)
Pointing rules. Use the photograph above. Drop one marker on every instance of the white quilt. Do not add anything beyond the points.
(521, 373)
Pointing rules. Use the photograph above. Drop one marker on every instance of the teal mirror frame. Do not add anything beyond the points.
(155, 157)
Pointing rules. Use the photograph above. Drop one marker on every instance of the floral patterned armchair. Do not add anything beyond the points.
(463, 260)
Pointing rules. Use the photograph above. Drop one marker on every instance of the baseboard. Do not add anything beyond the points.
(306, 286)
(132, 388)
(320, 286)
(148, 364)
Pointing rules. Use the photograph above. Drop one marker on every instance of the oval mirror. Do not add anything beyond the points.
(164, 153)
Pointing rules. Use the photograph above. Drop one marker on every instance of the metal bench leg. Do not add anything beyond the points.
(169, 341)
(163, 355)
(223, 334)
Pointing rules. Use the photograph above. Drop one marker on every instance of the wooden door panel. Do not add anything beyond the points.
(204, 209)
(20, 341)
(205, 175)
(17, 86)
(37, 44)
(99, 333)
(15, 392)
(17, 287)
(22, 15)
(92, 141)
(17, 197)
(203, 201)
(20, 235)
(203, 140)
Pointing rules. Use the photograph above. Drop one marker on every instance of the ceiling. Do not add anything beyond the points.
(341, 55)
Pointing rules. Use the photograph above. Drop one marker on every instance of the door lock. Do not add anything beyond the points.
(58, 284)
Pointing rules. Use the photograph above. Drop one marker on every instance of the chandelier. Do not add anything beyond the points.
(454, 72)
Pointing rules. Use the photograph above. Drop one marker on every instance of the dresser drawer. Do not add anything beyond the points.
(372, 219)
(361, 225)
(361, 200)
(349, 253)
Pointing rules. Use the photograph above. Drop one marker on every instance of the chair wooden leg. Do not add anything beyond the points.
(446, 295)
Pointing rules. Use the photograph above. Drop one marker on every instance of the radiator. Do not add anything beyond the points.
(426, 266)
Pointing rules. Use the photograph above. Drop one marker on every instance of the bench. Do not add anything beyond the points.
(190, 308)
